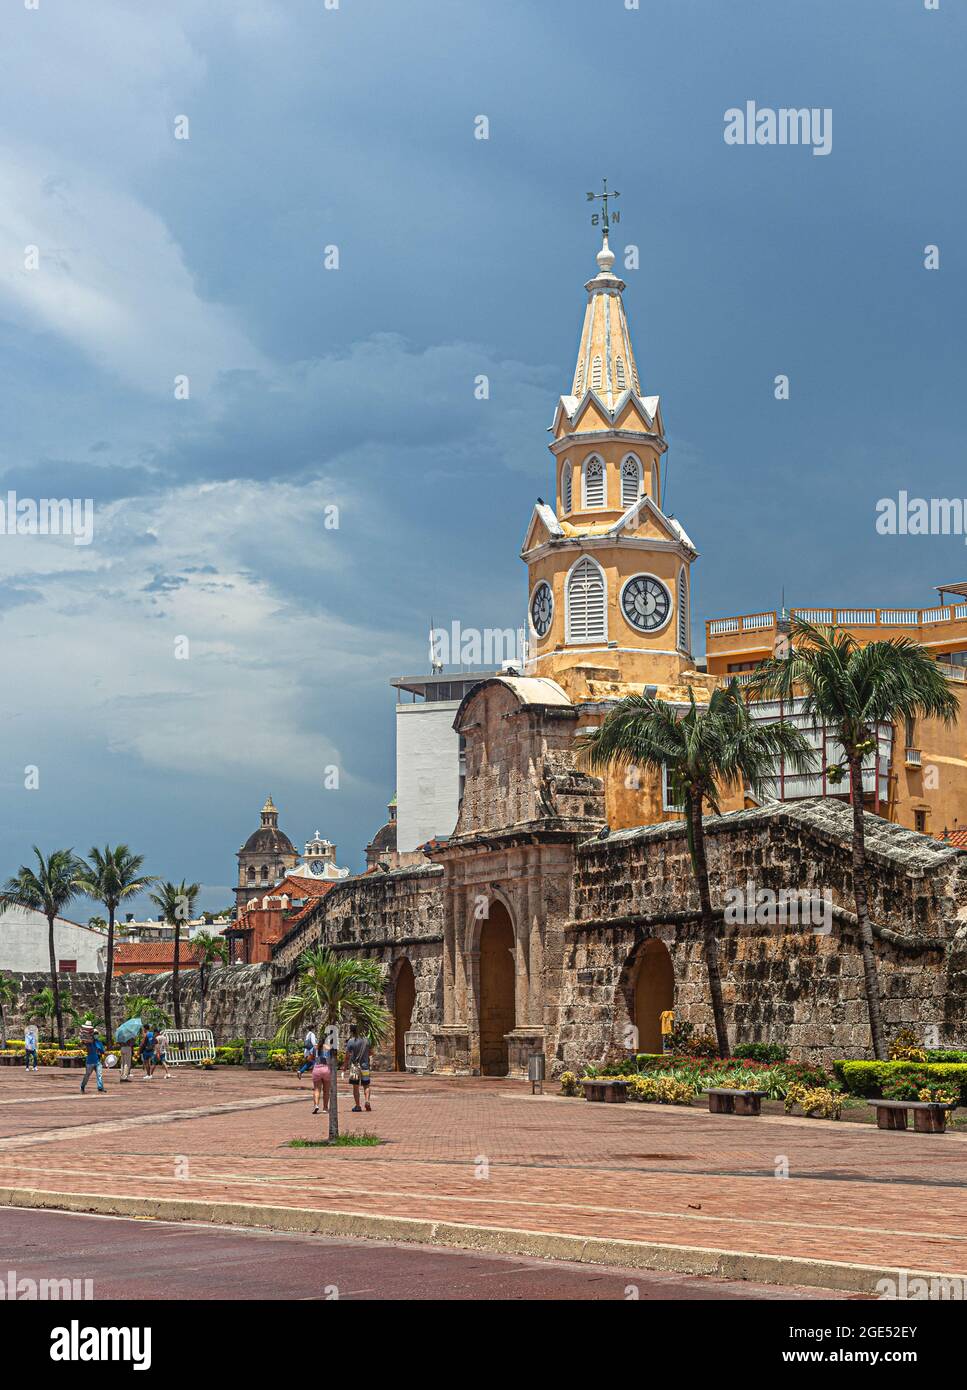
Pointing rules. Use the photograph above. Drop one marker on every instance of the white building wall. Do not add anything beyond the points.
(23, 943)
(427, 772)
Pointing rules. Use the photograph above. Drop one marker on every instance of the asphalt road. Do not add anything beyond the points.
(149, 1259)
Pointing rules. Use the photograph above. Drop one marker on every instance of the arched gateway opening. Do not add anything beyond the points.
(404, 999)
(654, 992)
(497, 1012)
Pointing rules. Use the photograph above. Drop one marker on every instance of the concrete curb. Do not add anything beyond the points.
(496, 1240)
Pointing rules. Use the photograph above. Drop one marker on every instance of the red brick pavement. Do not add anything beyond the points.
(484, 1152)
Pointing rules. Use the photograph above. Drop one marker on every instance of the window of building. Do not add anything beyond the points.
(910, 731)
(587, 619)
(630, 481)
(920, 821)
(668, 800)
(596, 372)
(619, 373)
(566, 486)
(265, 873)
(594, 483)
(579, 380)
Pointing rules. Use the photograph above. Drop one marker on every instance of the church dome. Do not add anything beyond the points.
(268, 838)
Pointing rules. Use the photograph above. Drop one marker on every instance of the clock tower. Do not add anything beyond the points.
(608, 570)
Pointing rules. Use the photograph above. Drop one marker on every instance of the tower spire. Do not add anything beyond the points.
(606, 362)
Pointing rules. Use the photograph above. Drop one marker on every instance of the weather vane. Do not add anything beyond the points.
(597, 217)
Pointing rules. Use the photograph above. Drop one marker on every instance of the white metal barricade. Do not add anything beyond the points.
(189, 1045)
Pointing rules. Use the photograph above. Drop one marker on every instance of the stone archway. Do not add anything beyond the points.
(654, 992)
(497, 989)
(404, 997)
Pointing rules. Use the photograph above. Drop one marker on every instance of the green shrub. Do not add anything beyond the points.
(761, 1052)
(934, 1054)
(870, 1079)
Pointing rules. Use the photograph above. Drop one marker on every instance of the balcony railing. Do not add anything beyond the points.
(842, 617)
(912, 757)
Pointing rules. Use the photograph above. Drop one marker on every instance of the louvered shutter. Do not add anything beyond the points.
(586, 604)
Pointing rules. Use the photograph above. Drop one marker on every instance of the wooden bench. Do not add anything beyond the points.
(724, 1100)
(929, 1116)
(605, 1088)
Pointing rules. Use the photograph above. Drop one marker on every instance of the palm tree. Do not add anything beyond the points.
(48, 889)
(706, 748)
(110, 878)
(43, 1005)
(854, 689)
(147, 1009)
(9, 994)
(329, 989)
(209, 949)
(177, 903)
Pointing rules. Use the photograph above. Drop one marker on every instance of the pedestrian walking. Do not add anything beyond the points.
(92, 1063)
(161, 1051)
(148, 1038)
(357, 1057)
(323, 1076)
(127, 1056)
(309, 1053)
(30, 1047)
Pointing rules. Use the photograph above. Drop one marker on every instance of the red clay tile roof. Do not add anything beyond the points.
(956, 838)
(154, 953)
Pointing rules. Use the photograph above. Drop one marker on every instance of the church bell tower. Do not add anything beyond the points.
(608, 570)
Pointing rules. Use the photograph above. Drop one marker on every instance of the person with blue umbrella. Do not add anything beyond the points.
(125, 1038)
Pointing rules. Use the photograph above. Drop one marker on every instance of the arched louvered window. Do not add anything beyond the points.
(566, 487)
(630, 481)
(579, 379)
(593, 482)
(654, 483)
(596, 372)
(619, 373)
(634, 377)
(683, 621)
(587, 619)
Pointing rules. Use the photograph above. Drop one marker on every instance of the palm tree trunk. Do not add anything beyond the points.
(3, 1028)
(53, 981)
(109, 978)
(174, 976)
(709, 940)
(870, 981)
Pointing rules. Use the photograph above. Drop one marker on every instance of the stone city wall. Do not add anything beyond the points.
(791, 985)
(392, 917)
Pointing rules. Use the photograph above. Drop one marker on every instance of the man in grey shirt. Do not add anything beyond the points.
(357, 1058)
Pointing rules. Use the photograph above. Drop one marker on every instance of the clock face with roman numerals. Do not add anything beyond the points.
(542, 608)
(646, 603)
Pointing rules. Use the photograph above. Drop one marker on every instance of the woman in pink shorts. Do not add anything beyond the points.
(321, 1077)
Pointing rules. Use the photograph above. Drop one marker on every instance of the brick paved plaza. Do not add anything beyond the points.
(480, 1153)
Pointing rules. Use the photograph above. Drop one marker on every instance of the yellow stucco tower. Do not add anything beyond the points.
(608, 571)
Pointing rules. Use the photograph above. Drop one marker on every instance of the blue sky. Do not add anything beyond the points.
(354, 127)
